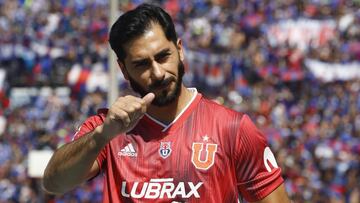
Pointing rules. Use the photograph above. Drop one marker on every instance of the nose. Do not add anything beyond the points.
(157, 72)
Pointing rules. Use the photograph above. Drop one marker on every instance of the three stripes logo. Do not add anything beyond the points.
(128, 150)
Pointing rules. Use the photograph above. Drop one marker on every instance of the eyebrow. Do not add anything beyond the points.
(162, 52)
(159, 54)
(139, 62)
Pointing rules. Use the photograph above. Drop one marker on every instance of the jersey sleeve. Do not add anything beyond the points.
(256, 169)
(89, 125)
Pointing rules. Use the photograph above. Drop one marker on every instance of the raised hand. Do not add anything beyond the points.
(125, 113)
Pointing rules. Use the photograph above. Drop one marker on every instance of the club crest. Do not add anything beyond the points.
(165, 149)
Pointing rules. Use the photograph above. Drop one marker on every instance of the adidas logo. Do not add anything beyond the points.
(128, 150)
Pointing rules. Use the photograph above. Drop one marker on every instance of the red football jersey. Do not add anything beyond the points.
(209, 153)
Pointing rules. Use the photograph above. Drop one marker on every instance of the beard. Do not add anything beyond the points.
(165, 97)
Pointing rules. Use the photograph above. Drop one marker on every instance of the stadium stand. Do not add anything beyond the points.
(293, 66)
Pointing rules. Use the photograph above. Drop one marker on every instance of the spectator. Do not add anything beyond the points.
(313, 126)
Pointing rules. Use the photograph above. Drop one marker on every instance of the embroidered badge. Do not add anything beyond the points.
(165, 149)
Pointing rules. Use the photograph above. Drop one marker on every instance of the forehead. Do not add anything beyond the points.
(148, 44)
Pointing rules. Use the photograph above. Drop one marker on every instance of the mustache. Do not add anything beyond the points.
(161, 83)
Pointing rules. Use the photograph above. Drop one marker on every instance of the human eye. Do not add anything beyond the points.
(141, 64)
(162, 57)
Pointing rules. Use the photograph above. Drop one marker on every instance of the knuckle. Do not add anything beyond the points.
(142, 102)
(122, 115)
(131, 109)
(137, 105)
(120, 99)
(128, 97)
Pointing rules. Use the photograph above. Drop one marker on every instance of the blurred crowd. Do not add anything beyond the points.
(312, 126)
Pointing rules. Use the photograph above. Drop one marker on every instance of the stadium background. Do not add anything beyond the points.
(293, 66)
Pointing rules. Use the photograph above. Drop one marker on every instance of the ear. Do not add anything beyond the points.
(180, 49)
(123, 69)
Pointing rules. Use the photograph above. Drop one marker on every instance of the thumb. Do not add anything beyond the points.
(149, 98)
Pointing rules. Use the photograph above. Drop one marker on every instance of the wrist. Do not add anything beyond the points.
(100, 138)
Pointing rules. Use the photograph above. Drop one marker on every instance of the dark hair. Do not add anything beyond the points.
(136, 22)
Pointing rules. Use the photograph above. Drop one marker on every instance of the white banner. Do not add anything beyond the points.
(301, 32)
(2, 78)
(37, 162)
(328, 72)
(20, 96)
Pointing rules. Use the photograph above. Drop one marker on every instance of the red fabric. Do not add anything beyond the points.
(133, 165)
(5, 102)
(254, 180)
(84, 75)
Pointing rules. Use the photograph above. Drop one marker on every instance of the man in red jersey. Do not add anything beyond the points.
(170, 144)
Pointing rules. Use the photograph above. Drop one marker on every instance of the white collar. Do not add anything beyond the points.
(194, 90)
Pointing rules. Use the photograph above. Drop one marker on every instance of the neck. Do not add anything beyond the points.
(166, 114)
